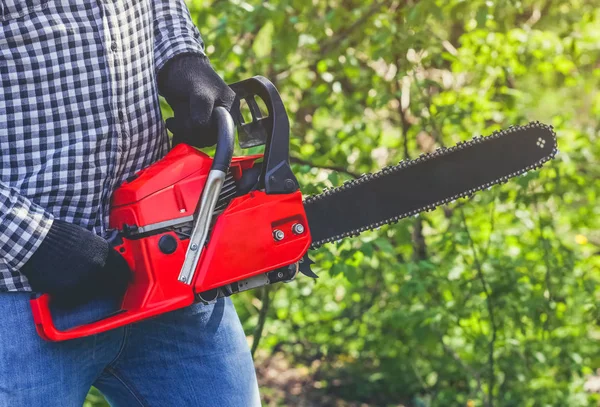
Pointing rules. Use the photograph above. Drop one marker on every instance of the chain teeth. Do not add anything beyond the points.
(425, 157)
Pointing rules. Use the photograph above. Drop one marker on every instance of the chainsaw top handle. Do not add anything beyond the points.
(210, 193)
(225, 140)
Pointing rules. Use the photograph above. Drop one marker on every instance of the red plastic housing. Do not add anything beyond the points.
(240, 244)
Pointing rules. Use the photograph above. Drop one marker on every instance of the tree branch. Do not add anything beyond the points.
(492, 224)
(337, 40)
(465, 367)
(547, 264)
(426, 95)
(297, 160)
(490, 307)
(262, 318)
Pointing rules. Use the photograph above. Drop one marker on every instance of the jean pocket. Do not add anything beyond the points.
(13, 9)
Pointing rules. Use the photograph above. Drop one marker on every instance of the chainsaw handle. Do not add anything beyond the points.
(45, 327)
(225, 139)
(210, 194)
(273, 130)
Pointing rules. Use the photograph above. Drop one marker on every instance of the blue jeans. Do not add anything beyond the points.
(197, 356)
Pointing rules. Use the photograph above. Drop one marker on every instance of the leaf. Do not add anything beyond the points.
(481, 17)
(263, 42)
(384, 245)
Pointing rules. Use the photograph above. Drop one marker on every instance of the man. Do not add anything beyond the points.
(79, 113)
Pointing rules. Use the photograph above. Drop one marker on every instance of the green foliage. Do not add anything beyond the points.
(491, 301)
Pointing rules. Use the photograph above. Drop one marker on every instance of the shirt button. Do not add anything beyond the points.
(113, 46)
(121, 116)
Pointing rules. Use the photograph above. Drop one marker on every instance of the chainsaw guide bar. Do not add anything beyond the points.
(431, 180)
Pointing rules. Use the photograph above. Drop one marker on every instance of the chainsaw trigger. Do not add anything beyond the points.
(304, 267)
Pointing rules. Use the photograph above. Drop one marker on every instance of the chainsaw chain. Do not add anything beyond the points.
(425, 157)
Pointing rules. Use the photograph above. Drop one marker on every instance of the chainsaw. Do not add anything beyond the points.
(195, 228)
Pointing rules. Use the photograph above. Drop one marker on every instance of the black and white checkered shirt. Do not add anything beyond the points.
(79, 110)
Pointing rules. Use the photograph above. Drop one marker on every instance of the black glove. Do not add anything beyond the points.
(74, 265)
(193, 88)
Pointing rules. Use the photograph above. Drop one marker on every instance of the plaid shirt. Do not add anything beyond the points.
(79, 110)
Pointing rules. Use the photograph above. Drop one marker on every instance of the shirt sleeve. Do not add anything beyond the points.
(23, 226)
(174, 31)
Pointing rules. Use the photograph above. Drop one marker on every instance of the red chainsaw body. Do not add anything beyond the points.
(240, 244)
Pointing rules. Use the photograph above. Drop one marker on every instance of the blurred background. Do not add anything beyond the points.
(486, 302)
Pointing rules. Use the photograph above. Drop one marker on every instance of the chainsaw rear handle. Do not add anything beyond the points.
(40, 305)
(42, 317)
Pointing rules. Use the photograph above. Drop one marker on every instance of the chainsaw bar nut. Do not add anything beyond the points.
(298, 228)
(278, 235)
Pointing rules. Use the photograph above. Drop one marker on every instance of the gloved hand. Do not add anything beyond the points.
(192, 88)
(74, 265)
